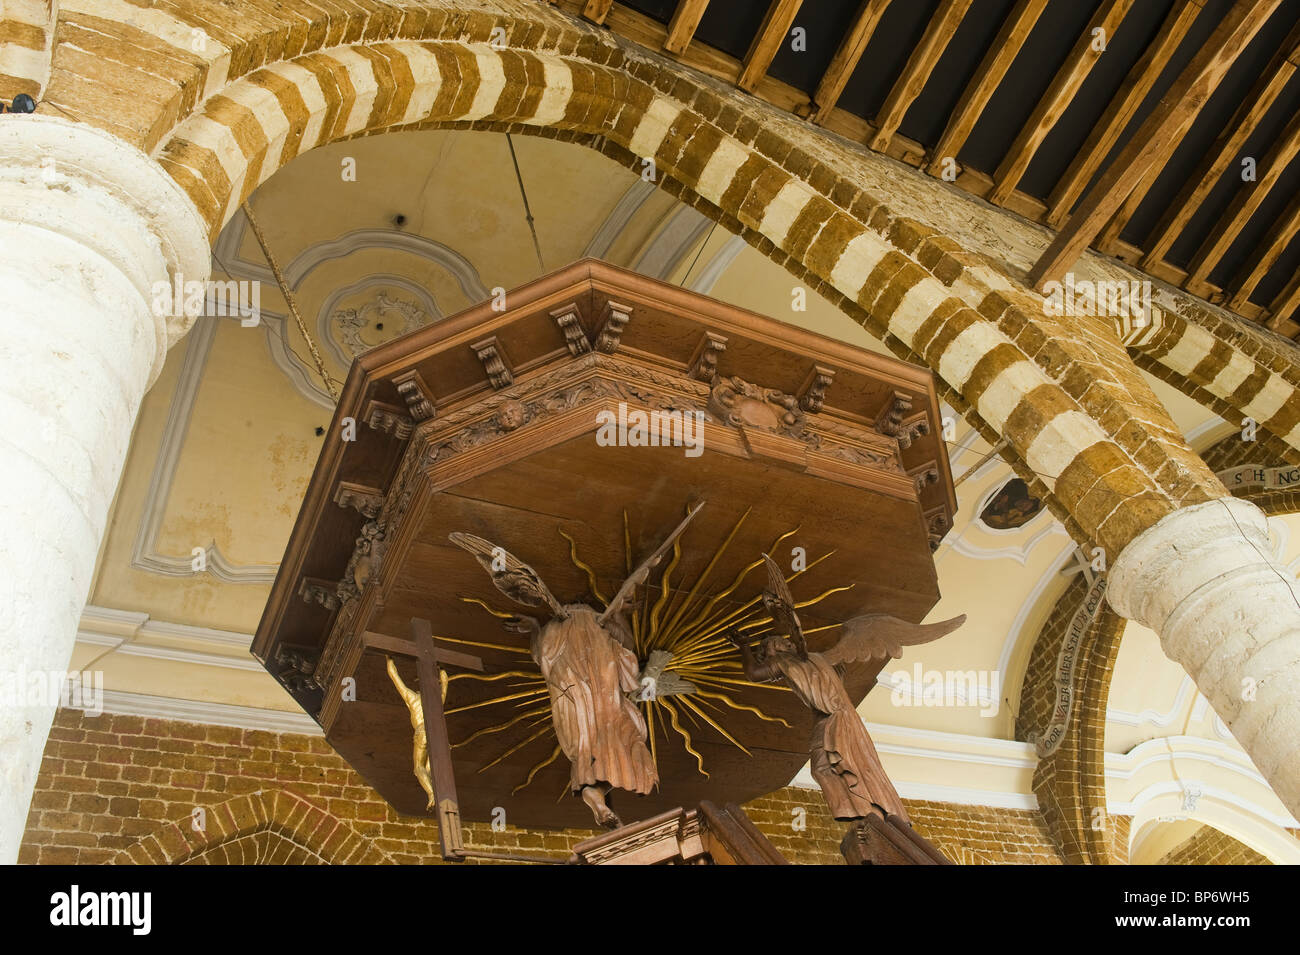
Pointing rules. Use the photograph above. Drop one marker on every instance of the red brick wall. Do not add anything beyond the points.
(124, 788)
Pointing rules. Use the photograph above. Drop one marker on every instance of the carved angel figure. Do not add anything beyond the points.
(587, 661)
(844, 760)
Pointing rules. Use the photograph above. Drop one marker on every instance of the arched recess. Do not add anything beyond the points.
(264, 847)
(263, 824)
(1210, 846)
(1235, 818)
(1078, 416)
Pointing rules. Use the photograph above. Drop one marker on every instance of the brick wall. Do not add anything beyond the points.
(1071, 783)
(118, 788)
(1211, 847)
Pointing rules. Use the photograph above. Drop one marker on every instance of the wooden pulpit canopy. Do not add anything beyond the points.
(497, 423)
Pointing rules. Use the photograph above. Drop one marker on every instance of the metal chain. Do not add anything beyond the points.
(288, 298)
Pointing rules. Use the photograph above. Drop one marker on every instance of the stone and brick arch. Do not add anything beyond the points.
(26, 39)
(268, 827)
(1233, 452)
(1071, 782)
(1079, 418)
(1236, 369)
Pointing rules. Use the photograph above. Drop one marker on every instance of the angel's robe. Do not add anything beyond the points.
(600, 729)
(844, 760)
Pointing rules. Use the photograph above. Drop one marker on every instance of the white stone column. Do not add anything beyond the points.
(88, 225)
(1203, 579)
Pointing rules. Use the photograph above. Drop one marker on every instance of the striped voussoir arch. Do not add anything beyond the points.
(26, 38)
(1249, 378)
(917, 290)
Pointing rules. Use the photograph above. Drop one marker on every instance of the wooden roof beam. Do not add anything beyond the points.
(771, 34)
(1156, 139)
(597, 10)
(1287, 302)
(940, 31)
(1244, 204)
(682, 27)
(1068, 79)
(846, 58)
(1121, 110)
(1265, 255)
(988, 76)
(1215, 163)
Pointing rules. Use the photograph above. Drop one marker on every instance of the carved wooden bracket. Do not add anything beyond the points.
(493, 357)
(389, 419)
(571, 327)
(925, 476)
(937, 523)
(704, 364)
(416, 394)
(813, 393)
(297, 667)
(916, 425)
(890, 420)
(317, 591)
(611, 332)
(365, 500)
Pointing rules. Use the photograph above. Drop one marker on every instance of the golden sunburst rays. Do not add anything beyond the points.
(585, 568)
(689, 622)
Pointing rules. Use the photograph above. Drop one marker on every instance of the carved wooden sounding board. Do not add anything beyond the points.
(490, 423)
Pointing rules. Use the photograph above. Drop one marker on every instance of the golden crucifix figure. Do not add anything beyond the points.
(843, 759)
(586, 658)
(416, 708)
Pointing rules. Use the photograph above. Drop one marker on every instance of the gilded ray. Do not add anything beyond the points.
(585, 568)
(537, 769)
(547, 728)
(488, 677)
(705, 694)
(686, 702)
(704, 574)
(686, 737)
(498, 727)
(497, 699)
(503, 614)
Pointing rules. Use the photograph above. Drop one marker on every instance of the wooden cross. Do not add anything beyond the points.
(427, 657)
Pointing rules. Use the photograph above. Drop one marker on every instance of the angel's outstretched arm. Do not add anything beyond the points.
(639, 576)
(755, 671)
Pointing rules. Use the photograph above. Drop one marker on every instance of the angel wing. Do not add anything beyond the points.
(642, 573)
(779, 603)
(878, 636)
(511, 575)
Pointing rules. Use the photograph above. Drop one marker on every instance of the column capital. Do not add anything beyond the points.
(1204, 578)
(87, 186)
(1183, 554)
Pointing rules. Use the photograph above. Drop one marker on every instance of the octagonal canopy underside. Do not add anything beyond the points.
(524, 464)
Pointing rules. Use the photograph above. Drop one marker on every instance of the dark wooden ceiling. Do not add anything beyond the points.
(1040, 122)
